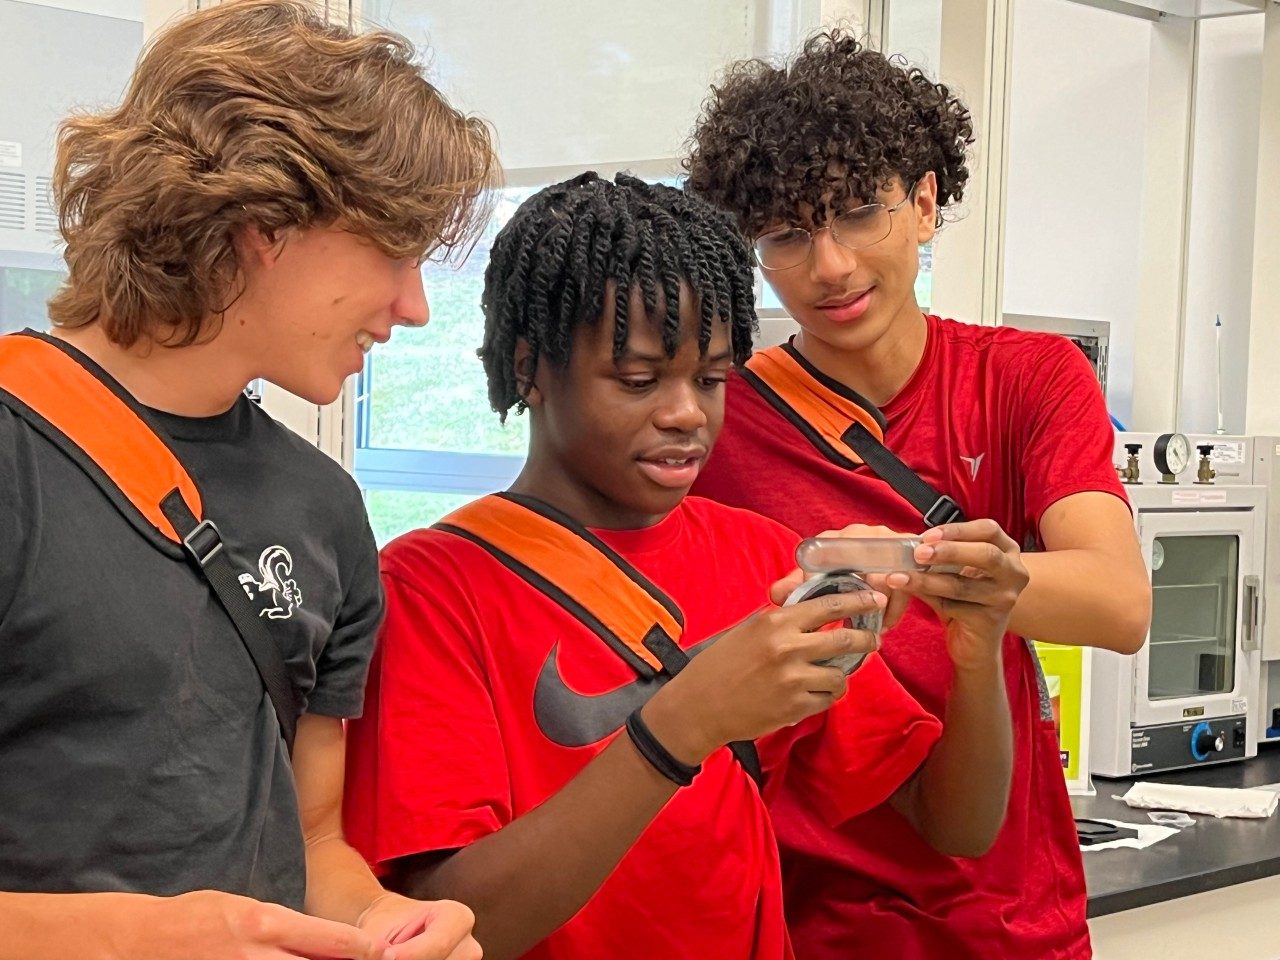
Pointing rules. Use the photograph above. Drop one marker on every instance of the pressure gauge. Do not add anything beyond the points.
(1172, 454)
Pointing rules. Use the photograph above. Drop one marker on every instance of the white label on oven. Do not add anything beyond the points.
(1228, 452)
(1198, 497)
(10, 153)
(1240, 706)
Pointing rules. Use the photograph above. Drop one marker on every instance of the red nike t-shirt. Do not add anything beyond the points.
(1007, 423)
(486, 697)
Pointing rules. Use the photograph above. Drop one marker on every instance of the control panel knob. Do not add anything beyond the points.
(1205, 741)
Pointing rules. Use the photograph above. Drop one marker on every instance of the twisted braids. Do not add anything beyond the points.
(550, 267)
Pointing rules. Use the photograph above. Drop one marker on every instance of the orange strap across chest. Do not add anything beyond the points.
(572, 566)
(65, 396)
(110, 439)
(844, 427)
(819, 411)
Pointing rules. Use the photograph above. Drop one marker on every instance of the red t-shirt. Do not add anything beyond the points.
(1007, 423)
(452, 746)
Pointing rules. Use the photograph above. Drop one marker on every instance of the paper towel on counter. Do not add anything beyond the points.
(1148, 833)
(1215, 801)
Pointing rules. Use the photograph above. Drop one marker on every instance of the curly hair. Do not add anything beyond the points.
(254, 112)
(552, 263)
(827, 129)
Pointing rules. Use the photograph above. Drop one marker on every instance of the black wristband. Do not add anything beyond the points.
(659, 757)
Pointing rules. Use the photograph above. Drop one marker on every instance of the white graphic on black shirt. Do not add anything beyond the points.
(275, 588)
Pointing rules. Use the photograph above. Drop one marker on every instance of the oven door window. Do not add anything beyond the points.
(1192, 651)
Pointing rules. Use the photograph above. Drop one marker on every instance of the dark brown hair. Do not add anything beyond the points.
(826, 130)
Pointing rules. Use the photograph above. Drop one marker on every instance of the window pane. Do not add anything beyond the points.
(393, 512)
(427, 389)
(1193, 616)
(23, 295)
(570, 84)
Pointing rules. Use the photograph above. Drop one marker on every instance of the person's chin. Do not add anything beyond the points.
(655, 501)
(842, 336)
(317, 390)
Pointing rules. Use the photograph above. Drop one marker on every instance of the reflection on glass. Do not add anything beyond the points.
(1193, 619)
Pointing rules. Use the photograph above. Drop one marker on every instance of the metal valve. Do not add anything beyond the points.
(1205, 474)
(1130, 471)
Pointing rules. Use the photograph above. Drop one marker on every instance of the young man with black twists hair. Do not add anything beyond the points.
(837, 166)
(525, 632)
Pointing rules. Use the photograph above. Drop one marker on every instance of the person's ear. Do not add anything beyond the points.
(526, 366)
(926, 207)
(259, 246)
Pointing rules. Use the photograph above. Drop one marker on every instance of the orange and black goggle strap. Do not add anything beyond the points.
(562, 559)
(843, 426)
(103, 430)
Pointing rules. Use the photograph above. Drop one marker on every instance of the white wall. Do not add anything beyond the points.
(1263, 415)
(1221, 228)
(1073, 226)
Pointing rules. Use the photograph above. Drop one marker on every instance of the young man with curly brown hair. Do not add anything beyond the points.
(838, 165)
(172, 741)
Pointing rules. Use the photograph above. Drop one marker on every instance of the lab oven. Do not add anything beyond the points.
(1192, 695)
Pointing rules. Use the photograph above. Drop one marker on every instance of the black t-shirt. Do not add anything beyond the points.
(138, 747)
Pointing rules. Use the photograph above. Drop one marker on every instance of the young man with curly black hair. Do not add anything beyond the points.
(514, 751)
(838, 165)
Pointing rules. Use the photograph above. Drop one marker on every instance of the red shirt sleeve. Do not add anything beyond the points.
(1068, 439)
(855, 755)
(426, 767)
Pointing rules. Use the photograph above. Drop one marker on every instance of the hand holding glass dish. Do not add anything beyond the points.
(841, 564)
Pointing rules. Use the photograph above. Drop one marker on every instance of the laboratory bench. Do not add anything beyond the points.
(1213, 885)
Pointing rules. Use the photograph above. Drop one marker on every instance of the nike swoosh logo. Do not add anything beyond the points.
(573, 719)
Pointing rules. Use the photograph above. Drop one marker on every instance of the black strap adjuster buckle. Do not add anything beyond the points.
(944, 510)
(203, 543)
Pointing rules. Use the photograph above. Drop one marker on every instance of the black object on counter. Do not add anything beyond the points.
(1089, 832)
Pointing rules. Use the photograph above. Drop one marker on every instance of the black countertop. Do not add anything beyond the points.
(1210, 855)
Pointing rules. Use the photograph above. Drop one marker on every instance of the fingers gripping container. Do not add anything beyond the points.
(838, 563)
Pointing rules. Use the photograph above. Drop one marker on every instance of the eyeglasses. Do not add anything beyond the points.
(862, 227)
